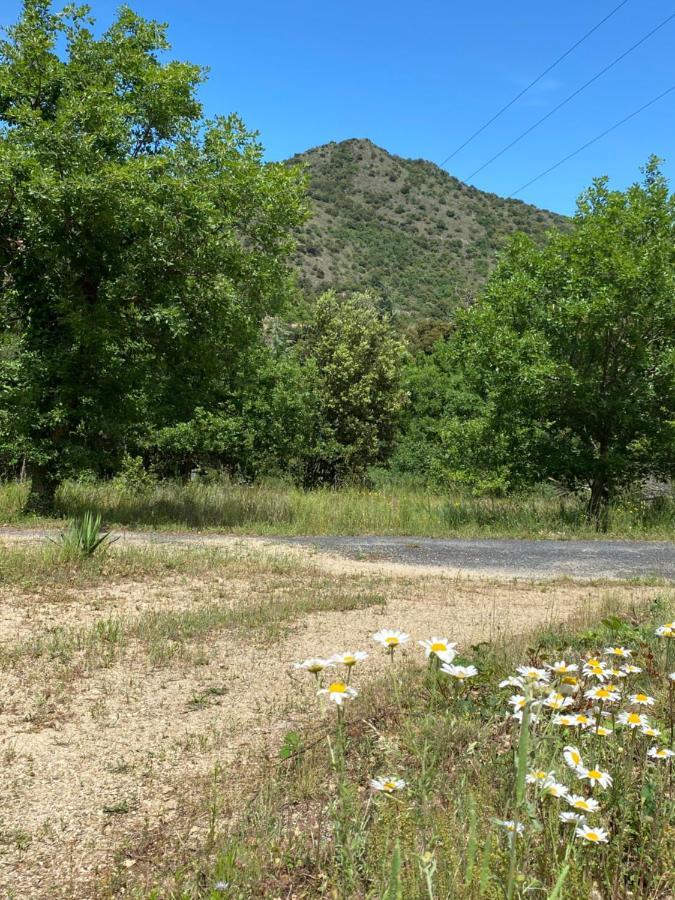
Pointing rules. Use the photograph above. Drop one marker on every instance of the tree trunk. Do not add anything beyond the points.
(42, 493)
(598, 504)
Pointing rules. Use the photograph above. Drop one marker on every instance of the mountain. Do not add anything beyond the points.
(421, 237)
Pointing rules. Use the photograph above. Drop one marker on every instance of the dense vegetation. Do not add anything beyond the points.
(149, 324)
(422, 239)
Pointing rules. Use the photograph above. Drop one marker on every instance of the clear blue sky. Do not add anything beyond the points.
(418, 78)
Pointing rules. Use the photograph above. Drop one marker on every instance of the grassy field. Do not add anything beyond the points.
(157, 739)
(392, 509)
(425, 785)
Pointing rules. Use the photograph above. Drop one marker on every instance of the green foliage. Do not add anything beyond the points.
(353, 359)
(140, 245)
(83, 537)
(405, 229)
(566, 365)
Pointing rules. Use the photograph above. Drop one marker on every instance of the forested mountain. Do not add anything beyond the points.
(420, 237)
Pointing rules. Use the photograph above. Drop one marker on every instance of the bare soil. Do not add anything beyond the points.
(109, 762)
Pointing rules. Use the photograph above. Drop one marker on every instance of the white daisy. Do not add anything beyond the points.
(530, 673)
(388, 784)
(314, 664)
(338, 692)
(512, 681)
(667, 630)
(440, 647)
(630, 669)
(592, 835)
(572, 817)
(459, 672)
(618, 651)
(555, 789)
(602, 694)
(539, 776)
(650, 731)
(586, 804)
(572, 756)
(642, 699)
(561, 667)
(602, 731)
(349, 658)
(633, 720)
(557, 701)
(595, 776)
(391, 638)
(513, 827)
(660, 753)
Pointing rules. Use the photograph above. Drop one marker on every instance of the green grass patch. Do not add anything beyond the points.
(317, 829)
(393, 509)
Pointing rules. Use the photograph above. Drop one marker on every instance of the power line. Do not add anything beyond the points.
(571, 96)
(532, 83)
(593, 141)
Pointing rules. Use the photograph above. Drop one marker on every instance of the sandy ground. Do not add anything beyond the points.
(107, 762)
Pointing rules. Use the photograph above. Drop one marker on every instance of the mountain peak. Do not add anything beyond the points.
(405, 227)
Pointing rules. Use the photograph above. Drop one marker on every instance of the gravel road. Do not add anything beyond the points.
(517, 558)
(506, 558)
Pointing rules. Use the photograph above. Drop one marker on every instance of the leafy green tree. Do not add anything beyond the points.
(140, 245)
(571, 350)
(354, 359)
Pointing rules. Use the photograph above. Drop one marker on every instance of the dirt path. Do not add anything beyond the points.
(108, 752)
(483, 558)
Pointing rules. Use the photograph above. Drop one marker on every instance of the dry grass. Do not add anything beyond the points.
(143, 693)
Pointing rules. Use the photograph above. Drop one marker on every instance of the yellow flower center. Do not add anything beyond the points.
(435, 648)
(582, 719)
(570, 679)
(338, 687)
(391, 641)
(389, 786)
(602, 693)
(592, 836)
(633, 718)
(594, 663)
(575, 757)
(540, 775)
(595, 774)
(581, 804)
(315, 667)
(641, 698)
(349, 660)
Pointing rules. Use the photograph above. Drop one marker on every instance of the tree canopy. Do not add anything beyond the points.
(140, 244)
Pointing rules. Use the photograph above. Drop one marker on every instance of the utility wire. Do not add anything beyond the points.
(593, 141)
(571, 96)
(532, 83)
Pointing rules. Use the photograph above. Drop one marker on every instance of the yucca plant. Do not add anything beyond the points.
(83, 536)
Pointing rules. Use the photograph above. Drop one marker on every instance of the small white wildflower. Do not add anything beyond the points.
(387, 784)
(440, 647)
(459, 672)
(660, 753)
(592, 835)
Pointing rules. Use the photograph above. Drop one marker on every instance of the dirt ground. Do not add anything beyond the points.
(119, 761)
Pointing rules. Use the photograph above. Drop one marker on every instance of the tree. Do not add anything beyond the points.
(354, 360)
(140, 245)
(571, 350)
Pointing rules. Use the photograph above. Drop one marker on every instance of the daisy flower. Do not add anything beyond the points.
(440, 647)
(517, 701)
(314, 664)
(617, 673)
(572, 757)
(667, 630)
(642, 699)
(390, 639)
(388, 784)
(566, 721)
(630, 669)
(592, 835)
(558, 701)
(537, 776)
(581, 720)
(602, 731)
(530, 673)
(650, 731)
(595, 776)
(553, 788)
(459, 672)
(569, 685)
(602, 693)
(561, 667)
(349, 659)
(618, 651)
(577, 818)
(598, 671)
(338, 692)
(633, 720)
(660, 753)
(512, 681)
(587, 804)
(513, 827)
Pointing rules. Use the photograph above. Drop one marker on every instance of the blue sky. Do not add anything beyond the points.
(419, 78)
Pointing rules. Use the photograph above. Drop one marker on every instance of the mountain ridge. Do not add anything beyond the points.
(422, 238)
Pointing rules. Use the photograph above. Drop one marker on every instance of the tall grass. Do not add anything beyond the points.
(463, 763)
(392, 509)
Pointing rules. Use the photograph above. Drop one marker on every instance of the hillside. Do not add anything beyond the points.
(421, 237)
